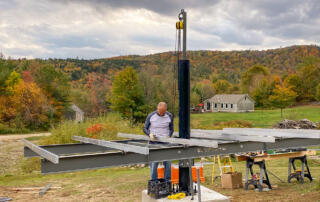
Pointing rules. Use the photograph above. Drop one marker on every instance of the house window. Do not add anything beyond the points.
(208, 105)
(231, 105)
(226, 106)
(221, 105)
(215, 105)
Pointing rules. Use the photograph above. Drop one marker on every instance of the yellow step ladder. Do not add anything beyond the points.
(222, 169)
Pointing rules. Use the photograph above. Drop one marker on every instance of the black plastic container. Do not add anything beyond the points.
(159, 188)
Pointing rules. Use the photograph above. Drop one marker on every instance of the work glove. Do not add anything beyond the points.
(152, 137)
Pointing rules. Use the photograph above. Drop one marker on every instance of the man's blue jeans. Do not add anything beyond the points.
(154, 170)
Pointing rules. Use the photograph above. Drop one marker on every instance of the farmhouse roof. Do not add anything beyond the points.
(76, 109)
(229, 98)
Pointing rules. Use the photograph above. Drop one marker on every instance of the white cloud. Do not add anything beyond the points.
(95, 29)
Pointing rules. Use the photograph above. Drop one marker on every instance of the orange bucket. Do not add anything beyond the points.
(175, 174)
(160, 172)
(194, 174)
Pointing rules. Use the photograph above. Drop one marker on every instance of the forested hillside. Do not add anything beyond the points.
(274, 78)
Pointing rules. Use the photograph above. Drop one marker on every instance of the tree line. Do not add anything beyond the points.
(35, 93)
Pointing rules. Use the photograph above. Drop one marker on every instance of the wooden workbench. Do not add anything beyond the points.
(266, 157)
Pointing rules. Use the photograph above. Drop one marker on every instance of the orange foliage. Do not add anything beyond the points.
(27, 77)
(94, 130)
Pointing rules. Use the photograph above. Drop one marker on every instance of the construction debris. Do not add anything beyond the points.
(45, 189)
(29, 188)
(292, 124)
(3, 199)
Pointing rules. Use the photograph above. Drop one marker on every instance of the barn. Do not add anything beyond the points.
(74, 113)
(229, 103)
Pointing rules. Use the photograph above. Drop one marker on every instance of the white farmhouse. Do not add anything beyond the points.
(229, 103)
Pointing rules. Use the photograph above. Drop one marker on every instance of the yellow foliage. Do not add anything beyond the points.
(26, 103)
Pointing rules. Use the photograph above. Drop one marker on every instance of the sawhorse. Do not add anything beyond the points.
(256, 181)
(299, 174)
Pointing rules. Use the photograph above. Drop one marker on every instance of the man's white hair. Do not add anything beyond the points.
(162, 104)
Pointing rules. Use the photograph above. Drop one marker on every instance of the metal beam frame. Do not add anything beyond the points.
(272, 132)
(308, 133)
(114, 145)
(112, 159)
(221, 135)
(42, 152)
(182, 141)
(85, 148)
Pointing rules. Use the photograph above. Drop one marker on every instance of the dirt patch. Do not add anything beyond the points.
(276, 194)
(19, 137)
(11, 152)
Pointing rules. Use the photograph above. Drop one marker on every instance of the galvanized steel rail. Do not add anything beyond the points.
(114, 145)
(42, 152)
(189, 142)
(279, 133)
(223, 135)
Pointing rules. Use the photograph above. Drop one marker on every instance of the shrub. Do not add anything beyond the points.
(4, 129)
(103, 127)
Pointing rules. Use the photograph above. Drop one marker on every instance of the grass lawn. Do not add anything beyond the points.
(126, 184)
(259, 118)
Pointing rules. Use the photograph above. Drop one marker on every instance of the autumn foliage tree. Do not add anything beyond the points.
(31, 98)
(55, 84)
(318, 92)
(127, 95)
(8, 108)
(204, 89)
(31, 105)
(6, 67)
(261, 94)
(25, 105)
(264, 90)
(253, 77)
(282, 97)
(222, 87)
(305, 81)
(96, 86)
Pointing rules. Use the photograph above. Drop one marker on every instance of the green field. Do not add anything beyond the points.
(259, 118)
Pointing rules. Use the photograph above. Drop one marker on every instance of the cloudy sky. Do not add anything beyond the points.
(105, 28)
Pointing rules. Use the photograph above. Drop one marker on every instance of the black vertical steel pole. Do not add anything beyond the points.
(184, 98)
(185, 172)
(185, 166)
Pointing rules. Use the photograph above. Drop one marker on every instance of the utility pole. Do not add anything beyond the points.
(185, 166)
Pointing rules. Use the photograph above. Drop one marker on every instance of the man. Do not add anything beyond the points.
(159, 124)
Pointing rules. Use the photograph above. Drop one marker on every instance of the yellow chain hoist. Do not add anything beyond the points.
(179, 25)
(177, 196)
